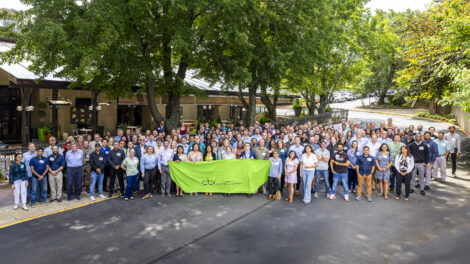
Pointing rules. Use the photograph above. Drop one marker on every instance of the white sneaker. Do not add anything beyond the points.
(327, 196)
(346, 197)
(25, 208)
(102, 196)
(15, 207)
(333, 196)
(315, 195)
(92, 198)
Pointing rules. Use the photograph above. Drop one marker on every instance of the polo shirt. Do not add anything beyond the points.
(56, 162)
(39, 164)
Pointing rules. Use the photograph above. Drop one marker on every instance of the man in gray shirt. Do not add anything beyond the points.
(323, 156)
(454, 141)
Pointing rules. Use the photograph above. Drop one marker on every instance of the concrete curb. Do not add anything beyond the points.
(411, 116)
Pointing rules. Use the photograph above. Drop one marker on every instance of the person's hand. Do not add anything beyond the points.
(40, 178)
(116, 167)
(12, 186)
(54, 173)
(161, 172)
(143, 174)
(26, 184)
(333, 171)
(98, 171)
(425, 165)
(458, 154)
(431, 164)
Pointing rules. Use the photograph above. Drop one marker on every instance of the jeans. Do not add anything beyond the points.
(273, 182)
(42, 184)
(149, 180)
(130, 180)
(352, 179)
(325, 175)
(137, 183)
(297, 186)
(74, 182)
(344, 179)
(96, 177)
(307, 175)
(29, 189)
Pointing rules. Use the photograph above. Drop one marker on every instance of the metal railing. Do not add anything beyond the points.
(336, 114)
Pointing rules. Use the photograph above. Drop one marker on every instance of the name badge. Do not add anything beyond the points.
(421, 148)
(443, 144)
(276, 163)
(118, 154)
(282, 150)
(358, 153)
(79, 156)
(51, 159)
(453, 139)
(41, 161)
(107, 152)
(22, 166)
(100, 158)
(345, 148)
(87, 156)
(384, 156)
(369, 159)
(264, 154)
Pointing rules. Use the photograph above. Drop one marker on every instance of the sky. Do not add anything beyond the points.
(397, 5)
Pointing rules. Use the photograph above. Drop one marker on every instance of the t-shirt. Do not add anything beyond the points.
(322, 165)
(341, 158)
(131, 166)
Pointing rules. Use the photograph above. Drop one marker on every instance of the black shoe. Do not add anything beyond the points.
(51, 200)
(417, 185)
(59, 200)
(110, 195)
(426, 187)
(412, 191)
(423, 193)
(392, 190)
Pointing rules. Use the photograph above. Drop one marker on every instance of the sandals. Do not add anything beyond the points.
(380, 194)
(406, 199)
(386, 197)
(397, 198)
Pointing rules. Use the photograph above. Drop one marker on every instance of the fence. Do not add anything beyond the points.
(336, 114)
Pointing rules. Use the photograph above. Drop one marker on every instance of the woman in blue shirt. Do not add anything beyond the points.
(353, 152)
(148, 167)
(281, 149)
(19, 181)
(275, 173)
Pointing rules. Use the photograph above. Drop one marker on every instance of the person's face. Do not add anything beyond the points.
(97, 148)
(40, 153)
(130, 145)
(366, 151)
(142, 141)
(32, 148)
(119, 133)
(85, 144)
(55, 150)
(451, 130)
(297, 141)
(19, 157)
(340, 148)
(420, 127)
(121, 144)
(396, 138)
(275, 155)
(166, 144)
(440, 136)
(292, 155)
(116, 145)
(74, 148)
(52, 142)
(247, 147)
(104, 143)
(374, 138)
(261, 143)
(384, 147)
(323, 145)
(427, 136)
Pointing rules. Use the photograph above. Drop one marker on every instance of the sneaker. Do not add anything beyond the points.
(426, 187)
(92, 198)
(110, 195)
(333, 196)
(45, 204)
(358, 198)
(33, 205)
(327, 196)
(51, 200)
(346, 198)
(423, 193)
(369, 199)
(392, 190)
(417, 185)
(443, 180)
(59, 200)
(102, 196)
(25, 208)
(412, 191)
(315, 195)
(15, 207)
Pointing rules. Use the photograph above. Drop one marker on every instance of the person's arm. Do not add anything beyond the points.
(123, 165)
(426, 155)
(10, 177)
(110, 159)
(33, 171)
(142, 164)
(458, 145)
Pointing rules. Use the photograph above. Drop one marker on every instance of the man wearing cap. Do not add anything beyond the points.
(74, 161)
(97, 166)
(420, 152)
(408, 139)
(39, 166)
(323, 156)
(56, 165)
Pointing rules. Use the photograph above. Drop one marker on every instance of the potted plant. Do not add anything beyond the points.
(297, 108)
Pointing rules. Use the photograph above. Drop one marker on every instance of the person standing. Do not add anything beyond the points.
(443, 150)
(148, 168)
(97, 166)
(275, 173)
(39, 166)
(353, 153)
(454, 141)
(115, 158)
(139, 152)
(298, 149)
(52, 143)
(27, 156)
(56, 166)
(165, 155)
(323, 157)
(19, 181)
(308, 163)
(339, 162)
(374, 146)
(107, 169)
(74, 163)
(433, 153)
(404, 163)
(384, 161)
(130, 165)
(261, 152)
(365, 167)
(290, 169)
(420, 152)
(395, 148)
(179, 157)
(86, 165)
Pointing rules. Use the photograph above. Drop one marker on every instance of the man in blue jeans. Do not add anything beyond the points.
(323, 156)
(97, 165)
(339, 162)
(39, 167)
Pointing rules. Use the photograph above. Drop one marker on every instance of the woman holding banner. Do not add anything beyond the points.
(228, 156)
(275, 173)
(195, 155)
(209, 155)
(291, 173)
(179, 157)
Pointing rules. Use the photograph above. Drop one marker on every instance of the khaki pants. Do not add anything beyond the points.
(55, 182)
(360, 181)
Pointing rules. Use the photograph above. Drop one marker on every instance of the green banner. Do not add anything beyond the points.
(220, 176)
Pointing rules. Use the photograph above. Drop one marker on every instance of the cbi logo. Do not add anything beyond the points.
(208, 181)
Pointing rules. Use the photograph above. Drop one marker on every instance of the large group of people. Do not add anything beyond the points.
(380, 156)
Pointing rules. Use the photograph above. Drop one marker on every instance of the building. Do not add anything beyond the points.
(27, 102)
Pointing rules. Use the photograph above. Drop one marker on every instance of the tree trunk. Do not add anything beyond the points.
(271, 106)
(55, 114)
(323, 103)
(173, 112)
(25, 101)
(382, 97)
(251, 109)
(157, 116)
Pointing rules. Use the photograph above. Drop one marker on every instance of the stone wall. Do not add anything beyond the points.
(462, 118)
